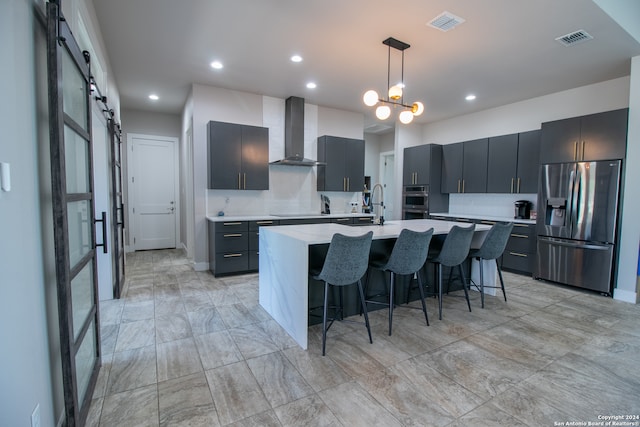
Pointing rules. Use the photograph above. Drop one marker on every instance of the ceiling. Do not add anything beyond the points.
(504, 52)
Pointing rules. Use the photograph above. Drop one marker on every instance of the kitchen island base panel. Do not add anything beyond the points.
(286, 290)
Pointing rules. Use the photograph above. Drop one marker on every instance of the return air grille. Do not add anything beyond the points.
(574, 38)
(445, 21)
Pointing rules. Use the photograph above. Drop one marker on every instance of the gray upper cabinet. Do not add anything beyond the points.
(344, 168)
(238, 156)
(512, 166)
(601, 136)
(421, 164)
(464, 167)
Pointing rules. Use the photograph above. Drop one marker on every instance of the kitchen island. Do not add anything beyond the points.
(287, 253)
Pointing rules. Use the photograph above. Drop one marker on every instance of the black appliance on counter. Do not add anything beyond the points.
(576, 223)
(417, 201)
(523, 209)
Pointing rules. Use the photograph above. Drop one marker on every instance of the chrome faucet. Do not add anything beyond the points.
(378, 215)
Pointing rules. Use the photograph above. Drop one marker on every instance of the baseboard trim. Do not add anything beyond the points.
(200, 266)
(626, 296)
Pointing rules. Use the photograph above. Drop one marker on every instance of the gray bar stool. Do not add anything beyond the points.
(454, 252)
(345, 264)
(407, 257)
(492, 247)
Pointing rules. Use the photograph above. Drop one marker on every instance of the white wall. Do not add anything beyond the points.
(25, 370)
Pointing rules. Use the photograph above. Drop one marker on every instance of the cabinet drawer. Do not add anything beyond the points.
(254, 240)
(232, 262)
(232, 241)
(231, 226)
(363, 220)
(344, 220)
(521, 243)
(518, 261)
(529, 230)
(255, 225)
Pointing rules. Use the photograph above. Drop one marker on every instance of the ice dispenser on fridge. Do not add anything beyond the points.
(556, 212)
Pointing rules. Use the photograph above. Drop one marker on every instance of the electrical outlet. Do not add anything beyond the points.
(35, 416)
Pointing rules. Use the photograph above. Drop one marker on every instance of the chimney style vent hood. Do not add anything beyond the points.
(294, 135)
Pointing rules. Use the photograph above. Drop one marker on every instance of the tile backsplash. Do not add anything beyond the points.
(292, 190)
(487, 204)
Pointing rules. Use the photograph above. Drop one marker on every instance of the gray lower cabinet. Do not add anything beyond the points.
(520, 254)
(234, 245)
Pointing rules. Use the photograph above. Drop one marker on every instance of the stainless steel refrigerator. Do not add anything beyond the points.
(577, 223)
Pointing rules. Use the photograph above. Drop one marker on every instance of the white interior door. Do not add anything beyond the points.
(154, 182)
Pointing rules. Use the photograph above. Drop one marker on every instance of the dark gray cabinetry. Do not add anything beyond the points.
(228, 247)
(464, 167)
(520, 253)
(601, 136)
(422, 165)
(512, 165)
(238, 156)
(344, 168)
(254, 240)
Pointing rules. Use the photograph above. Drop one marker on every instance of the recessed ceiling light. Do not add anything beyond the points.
(470, 97)
(216, 65)
(311, 85)
(154, 97)
(296, 58)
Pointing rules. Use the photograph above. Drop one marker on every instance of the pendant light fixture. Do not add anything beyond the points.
(395, 95)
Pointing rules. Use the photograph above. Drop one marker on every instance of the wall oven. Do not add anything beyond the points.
(415, 202)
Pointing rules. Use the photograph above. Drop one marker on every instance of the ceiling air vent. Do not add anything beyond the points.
(574, 38)
(445, 21)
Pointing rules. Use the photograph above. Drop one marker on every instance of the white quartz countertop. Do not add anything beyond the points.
(313, 234)
(486, 217)
(282, 216)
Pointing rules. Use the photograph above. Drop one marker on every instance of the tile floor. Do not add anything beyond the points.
(184, 348)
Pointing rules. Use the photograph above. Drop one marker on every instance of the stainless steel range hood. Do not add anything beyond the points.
(294, 135)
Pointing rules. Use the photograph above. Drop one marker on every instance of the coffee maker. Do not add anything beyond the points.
(522, 209)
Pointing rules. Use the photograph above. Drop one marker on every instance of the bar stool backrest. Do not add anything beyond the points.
(409, 252)
(347, 259)
(495, 242)
(455, 248)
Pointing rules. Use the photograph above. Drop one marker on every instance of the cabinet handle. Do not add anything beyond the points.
(458, 186)
(519, 254)
(239, 186)
(232, 235)
(344, 184)
(582, 158)
(511, 185)
(487, 222)
(342, 219)
(365, 219)
(518, 185)
(244, 184)
(348, 184)
(231, 223)
(231, 255)
(463, 185)
(264, 222)
(521, 236)
(575, 150)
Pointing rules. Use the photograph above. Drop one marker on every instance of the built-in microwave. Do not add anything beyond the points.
(415, 202)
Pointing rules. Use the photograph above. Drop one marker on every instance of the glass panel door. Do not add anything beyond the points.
(73, 215)
(118, 207)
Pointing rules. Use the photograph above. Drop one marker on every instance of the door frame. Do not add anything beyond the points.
(131, 193)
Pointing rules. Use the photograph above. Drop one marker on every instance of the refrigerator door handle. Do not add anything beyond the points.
(575, 245)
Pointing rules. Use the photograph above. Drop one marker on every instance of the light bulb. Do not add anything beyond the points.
(395, 92)
(370, 98)
(417, 108)
(406, 117)
(383, 112)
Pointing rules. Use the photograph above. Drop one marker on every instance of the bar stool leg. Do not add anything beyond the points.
(439, 268)
(391, 292)
(481, 283)
(324, 317)
(364, 310)
(501, 281)
(464, 286)
(424, 305)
